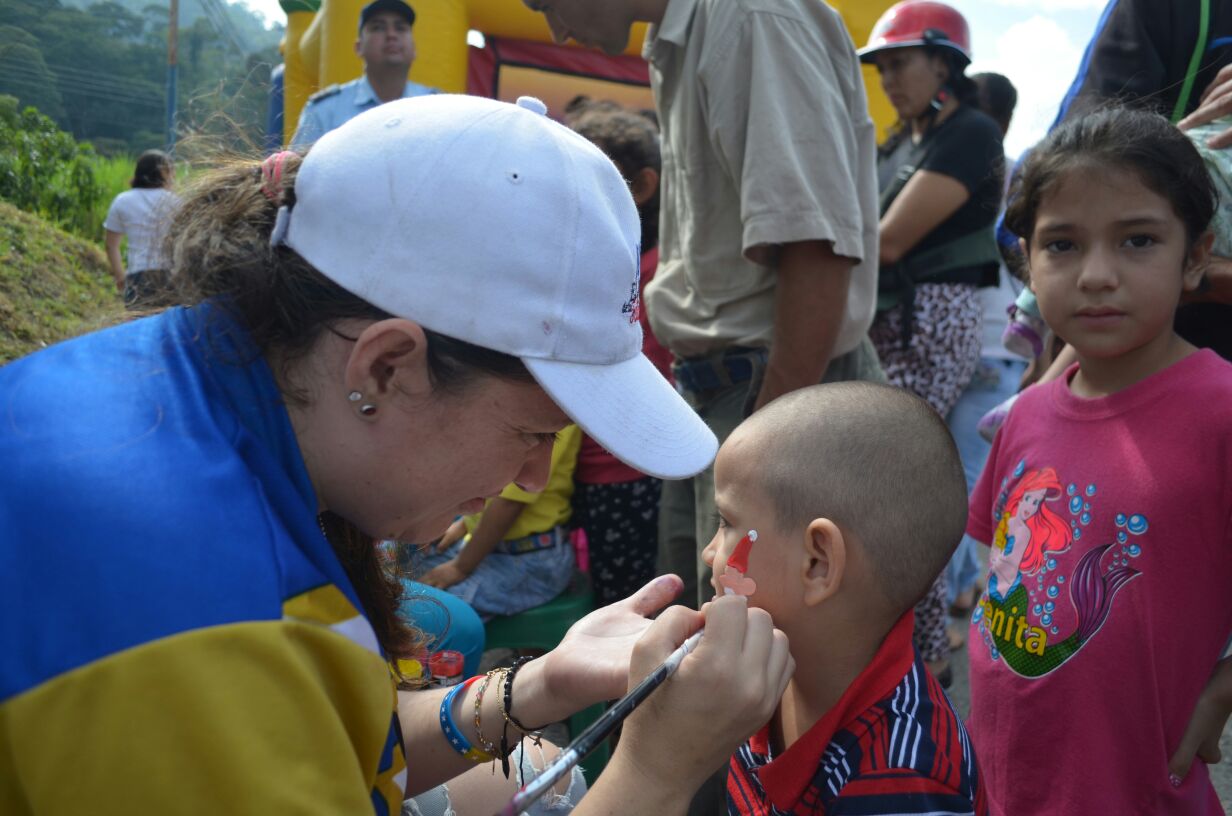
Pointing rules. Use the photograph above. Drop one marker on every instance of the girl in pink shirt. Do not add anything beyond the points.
(1097, 674)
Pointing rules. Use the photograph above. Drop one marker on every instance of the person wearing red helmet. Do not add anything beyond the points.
(940, 175)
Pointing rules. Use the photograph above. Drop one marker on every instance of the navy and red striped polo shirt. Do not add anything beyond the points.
(892, 744)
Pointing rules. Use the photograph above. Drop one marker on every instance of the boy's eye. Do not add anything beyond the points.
(1140, 241)
(723, 523)
(1059, 245)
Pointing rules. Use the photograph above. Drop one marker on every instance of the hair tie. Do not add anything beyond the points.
(271, 174)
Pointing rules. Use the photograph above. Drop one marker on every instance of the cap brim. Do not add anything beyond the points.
(633, 412)
(867, 53)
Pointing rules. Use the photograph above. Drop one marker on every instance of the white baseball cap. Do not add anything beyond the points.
(490, 223)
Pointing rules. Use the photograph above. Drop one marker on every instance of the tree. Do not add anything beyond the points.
(101, 72)
(43, 171)
(24, 74)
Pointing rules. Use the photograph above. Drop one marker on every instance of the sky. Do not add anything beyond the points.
(1036, 43)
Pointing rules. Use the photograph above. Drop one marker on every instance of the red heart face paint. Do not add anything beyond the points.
(734, 580)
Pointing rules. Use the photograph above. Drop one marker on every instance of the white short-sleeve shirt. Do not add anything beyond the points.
(143, 215)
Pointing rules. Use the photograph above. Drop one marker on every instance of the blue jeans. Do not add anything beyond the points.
(994, 382)
(506, 584)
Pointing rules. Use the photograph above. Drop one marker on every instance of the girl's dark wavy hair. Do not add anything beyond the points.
(151, 170)
(219, 243)
(1144, 143)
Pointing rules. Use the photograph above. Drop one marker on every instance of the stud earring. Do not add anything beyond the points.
(367, 409)
(355, 396)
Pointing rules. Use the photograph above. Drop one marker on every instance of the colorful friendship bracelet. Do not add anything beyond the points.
(484, 742)
(451, 731)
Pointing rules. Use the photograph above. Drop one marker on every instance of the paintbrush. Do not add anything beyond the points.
(598, 731)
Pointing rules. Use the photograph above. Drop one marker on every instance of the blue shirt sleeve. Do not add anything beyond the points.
(310, 127)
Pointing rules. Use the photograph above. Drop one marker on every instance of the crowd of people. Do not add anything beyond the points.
(848, 407)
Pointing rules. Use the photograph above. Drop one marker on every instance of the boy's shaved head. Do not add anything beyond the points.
(875, 460)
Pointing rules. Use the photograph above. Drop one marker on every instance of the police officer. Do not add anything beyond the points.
(387, 48)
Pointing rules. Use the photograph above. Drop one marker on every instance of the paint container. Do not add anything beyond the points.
(445, 667)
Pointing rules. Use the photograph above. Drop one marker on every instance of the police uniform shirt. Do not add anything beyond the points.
(331, 107)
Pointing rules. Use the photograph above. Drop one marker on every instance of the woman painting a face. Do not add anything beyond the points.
(370, 340)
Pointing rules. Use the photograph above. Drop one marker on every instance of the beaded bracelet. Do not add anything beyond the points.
(506, 708)
(450, 729)
(505, 705)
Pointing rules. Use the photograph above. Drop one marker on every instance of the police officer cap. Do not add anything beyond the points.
(396, 6)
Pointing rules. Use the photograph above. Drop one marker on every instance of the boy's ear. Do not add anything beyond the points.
(825, 561)
(1197, 261)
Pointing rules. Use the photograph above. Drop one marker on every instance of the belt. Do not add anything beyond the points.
(531, 543)
(732, 367)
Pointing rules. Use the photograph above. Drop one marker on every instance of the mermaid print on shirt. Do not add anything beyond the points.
(1036, 614)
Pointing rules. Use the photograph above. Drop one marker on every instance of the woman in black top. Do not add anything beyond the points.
(940, 176)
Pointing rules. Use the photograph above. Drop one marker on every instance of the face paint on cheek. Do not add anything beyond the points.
(734, 580)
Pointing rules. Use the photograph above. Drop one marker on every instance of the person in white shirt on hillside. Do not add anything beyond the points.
(142, 214)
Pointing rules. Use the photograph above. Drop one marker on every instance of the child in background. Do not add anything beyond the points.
(1095, 653)
(516, 554)
(853, 497)
(616, 506)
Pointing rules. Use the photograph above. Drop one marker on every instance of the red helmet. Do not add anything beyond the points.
(919, 22)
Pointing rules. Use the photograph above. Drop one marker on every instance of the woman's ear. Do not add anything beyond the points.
(643, 185)
(1197, 260)
(941, 67)
(384, 351)
(825, 560)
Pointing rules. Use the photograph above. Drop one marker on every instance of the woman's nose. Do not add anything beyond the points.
(533, 477)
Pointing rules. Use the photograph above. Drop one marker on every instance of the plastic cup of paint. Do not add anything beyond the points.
(446, 667)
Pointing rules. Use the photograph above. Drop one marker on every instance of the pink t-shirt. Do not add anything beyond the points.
(1108, 598)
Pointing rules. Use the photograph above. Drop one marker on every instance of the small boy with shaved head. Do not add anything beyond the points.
(839, 504)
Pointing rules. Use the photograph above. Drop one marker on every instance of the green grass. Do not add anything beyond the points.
(113, 174)
(53, 285)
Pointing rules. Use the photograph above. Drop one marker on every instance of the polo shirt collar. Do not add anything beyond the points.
(787, 776)
(364, 94)
(673, 28)
(415, 89)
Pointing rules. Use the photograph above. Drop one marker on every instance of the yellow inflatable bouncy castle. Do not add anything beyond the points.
(518, 56)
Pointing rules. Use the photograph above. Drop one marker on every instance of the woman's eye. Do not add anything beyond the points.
(1140, 241)
(723, 523)
(546, 438)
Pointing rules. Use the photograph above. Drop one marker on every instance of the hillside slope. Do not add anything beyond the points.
(52, 285)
